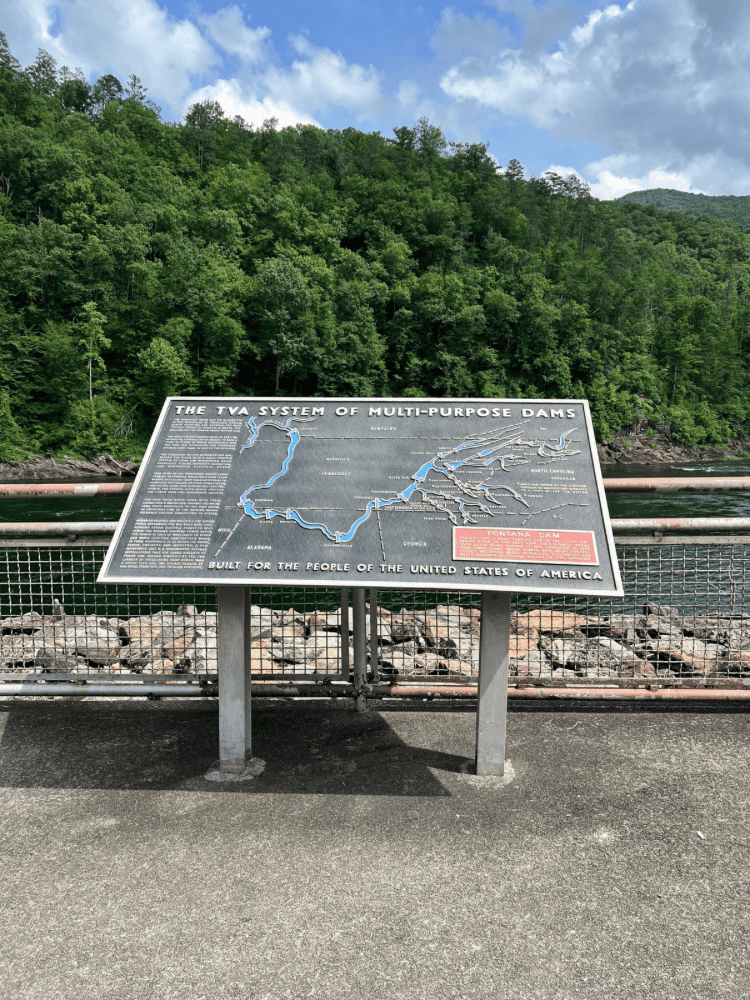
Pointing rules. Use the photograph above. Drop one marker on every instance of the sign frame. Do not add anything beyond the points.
(444, 584)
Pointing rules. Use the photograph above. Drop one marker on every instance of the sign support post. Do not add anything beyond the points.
(234, 722)
(248, 686)
(360, 648)
(492, 702)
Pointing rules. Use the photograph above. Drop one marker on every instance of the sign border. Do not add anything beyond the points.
(515, 585)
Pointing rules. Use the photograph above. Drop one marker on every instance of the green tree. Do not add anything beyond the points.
(429, 139)
(161, 373)
(281, 310)
(514, 175)
(91, 328)
(7, 60)
(201, 130)
(106, 89)
(74, 94)
(136, 91)
(43, 73)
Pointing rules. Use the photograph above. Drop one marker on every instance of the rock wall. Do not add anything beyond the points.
(627, 448)
(441, 641)
(41, 468)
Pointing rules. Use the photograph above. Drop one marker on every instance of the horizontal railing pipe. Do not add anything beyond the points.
(635, 484)
(687, 525)
(678, 484)
(11, 490)
(54, 529)
(167, 689)
(620, 526)
(379, 691)
(41, 689)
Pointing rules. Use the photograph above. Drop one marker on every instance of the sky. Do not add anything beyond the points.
(652, 93)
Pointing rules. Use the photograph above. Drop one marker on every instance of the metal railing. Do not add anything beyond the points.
(684, 622)
(674, 484)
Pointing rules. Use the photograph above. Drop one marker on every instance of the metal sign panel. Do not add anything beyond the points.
(444, 494)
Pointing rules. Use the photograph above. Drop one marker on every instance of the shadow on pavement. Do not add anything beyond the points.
(307, 748)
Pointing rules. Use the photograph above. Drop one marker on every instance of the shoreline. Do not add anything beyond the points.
(623, 449)
(49, 469)
(636, 449)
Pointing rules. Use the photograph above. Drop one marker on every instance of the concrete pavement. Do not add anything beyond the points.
(367, 861)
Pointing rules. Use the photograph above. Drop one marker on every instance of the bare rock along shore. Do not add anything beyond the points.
(44, 469)
(635, 449)
(624, 449)
(437, 642)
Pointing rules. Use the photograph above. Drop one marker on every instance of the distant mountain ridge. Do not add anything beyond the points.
(729, 207)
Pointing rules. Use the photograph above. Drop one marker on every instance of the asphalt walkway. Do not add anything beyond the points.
(367, 861)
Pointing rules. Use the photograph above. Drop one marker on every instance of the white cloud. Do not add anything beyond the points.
(234, 100)
(228, 29)
(615, 176)
(458, 33)
(408, 93)
(110, 36)
(650, 81)
(321, 80)
(543, 86)
(324, 79)
(541, 24)
(556, 168)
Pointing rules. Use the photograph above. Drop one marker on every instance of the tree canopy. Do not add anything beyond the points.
(730, 207)
(140, 258)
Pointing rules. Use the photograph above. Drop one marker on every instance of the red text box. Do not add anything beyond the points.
(519, 545)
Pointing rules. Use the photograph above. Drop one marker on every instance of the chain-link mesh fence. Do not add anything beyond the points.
(685, 619)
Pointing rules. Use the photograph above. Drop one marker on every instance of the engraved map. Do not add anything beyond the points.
(437, 493)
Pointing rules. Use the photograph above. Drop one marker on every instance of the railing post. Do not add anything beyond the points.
(230, 634)
(360, 648)
(492, 704)
(345, 671)
(374, 635)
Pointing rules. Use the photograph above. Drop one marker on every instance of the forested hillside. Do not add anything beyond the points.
(140, 258)
(729, 207)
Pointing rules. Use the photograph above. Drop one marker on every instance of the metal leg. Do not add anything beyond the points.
(231, 655)
(374, 635)
(345, 671)
(248, 685)
(360, 648)
(492, 707)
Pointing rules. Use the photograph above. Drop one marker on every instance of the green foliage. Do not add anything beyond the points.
(92, 340)
(731, 208)
(7, 61)
(14, 444)
(161, 373)
(140, 258)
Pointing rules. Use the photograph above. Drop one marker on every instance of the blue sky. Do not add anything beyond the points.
(652, 93)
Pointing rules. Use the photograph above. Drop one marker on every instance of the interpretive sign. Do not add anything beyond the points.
(445, 494)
